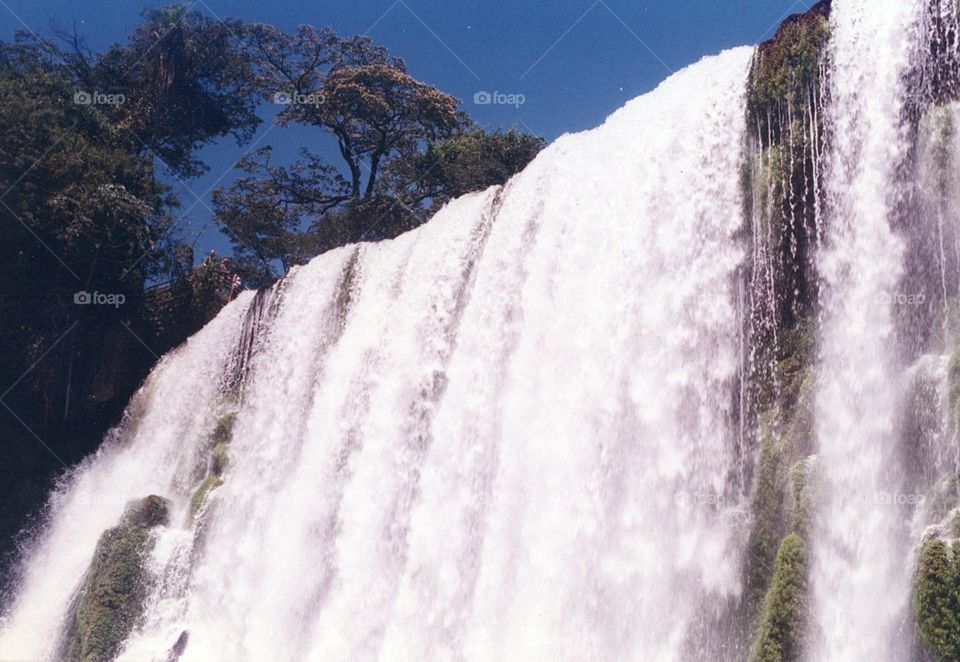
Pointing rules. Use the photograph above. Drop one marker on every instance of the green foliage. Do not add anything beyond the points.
(936, 599)
(779, 634)
(111, 600)
(472, 161)
(788, 66)
(186, 79)
(180, 308)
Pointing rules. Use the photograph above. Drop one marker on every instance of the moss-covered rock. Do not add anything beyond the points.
(111, 598)
(223, 431)
(936, 600)
(782, 499)
(209, 484)
(148, 512)
(785, 119)
(779, 633)
(767, 507)
(787, 67)
(802, 484)
(217, 465)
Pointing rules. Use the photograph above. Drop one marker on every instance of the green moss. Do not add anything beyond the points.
(801, 481)
(768, 514)
(209, 484)
(223, 431)
(936, 600)
(784, 486)
(111, 599)
(789, 389)
(780, 631)
(793, 370)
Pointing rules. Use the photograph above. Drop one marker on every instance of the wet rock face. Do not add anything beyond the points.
(785, 107)
(938, 80)
(111, 599)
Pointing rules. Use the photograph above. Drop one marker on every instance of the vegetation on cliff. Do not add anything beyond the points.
(784, 109)
(111, 599)
(216, 465)
(936, 599)
(783, 617)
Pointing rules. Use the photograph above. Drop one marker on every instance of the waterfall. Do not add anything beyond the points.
(511, 433)
(686, 388)
(860, 576)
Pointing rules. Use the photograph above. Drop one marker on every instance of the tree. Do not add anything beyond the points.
(382, 120)
(266, 209)
(181, 80)
(355, 90)
(472, 161)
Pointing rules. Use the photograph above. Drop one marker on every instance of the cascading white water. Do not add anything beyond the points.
(508, 434)
(860, 576)
(162, 428)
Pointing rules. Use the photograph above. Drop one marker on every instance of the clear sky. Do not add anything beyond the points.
(573, 61)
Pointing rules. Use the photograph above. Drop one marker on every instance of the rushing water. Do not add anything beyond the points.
(521, 431)
(508, 434)
(860, 576)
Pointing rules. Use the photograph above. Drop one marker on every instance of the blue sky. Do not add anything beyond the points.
(573, 61)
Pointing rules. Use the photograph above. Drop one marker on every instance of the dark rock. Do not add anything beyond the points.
(178, 647)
